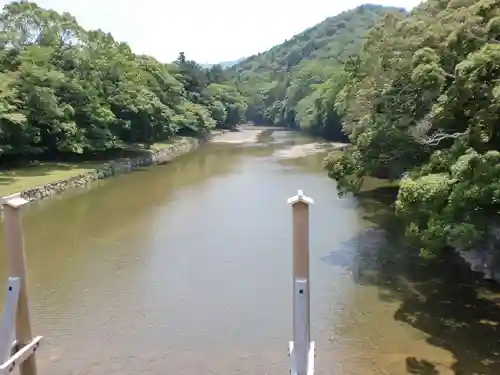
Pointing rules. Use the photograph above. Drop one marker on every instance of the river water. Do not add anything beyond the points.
(185, 269)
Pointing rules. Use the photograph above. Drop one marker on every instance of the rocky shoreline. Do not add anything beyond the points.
(118, 167)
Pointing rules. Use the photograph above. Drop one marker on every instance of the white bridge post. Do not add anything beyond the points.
(16, 318)
(301, 349)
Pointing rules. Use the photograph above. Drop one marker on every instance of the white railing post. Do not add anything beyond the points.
(301, 349)
(27, 345)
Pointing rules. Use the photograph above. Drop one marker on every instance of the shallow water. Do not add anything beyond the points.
(185, 269)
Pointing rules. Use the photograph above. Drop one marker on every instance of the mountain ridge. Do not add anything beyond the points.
(276, 80)
(223, 64)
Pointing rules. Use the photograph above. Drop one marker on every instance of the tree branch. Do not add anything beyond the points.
(437, 137)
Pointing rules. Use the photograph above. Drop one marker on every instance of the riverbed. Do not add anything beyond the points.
(185, 269)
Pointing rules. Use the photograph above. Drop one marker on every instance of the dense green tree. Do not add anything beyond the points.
(417, 97)
(421, 106)
(64, 89)
(226, 103)
(286, 85)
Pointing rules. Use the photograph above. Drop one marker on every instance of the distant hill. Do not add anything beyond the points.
(277, 79)
(335, 38)
(224, 64)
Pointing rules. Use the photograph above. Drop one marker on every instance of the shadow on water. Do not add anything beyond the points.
(443, 298)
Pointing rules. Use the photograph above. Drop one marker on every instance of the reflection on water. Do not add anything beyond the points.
(185, 268)
(432, 317)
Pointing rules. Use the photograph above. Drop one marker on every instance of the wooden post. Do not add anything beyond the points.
(17, 268)
(301, 349)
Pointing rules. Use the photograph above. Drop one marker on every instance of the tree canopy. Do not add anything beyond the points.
(294, 83)
(420, 106)
(64, 89)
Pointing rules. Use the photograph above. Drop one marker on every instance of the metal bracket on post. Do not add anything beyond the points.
(21, 356)
(7, 328)
(10, 354)
(301, 349)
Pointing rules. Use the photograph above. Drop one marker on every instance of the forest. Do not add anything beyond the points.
(419, 105)
(294, 84)
(66, 90)
(417, 97)
(415, 94)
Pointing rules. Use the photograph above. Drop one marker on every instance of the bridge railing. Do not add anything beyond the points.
(17, 345)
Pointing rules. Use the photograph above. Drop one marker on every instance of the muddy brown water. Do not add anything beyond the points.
(185, 269)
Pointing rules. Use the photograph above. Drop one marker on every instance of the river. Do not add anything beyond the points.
(185, 269)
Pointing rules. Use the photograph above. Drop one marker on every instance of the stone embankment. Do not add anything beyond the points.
(181, 146)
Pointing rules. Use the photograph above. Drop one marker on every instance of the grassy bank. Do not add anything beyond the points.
(24, 176)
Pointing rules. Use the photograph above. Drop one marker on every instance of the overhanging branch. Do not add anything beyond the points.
(437, 137)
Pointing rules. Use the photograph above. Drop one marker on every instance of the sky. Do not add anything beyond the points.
(208, 31)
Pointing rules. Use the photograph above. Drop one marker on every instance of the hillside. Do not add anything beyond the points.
(224, 64)
(228, 64)
(421, 104)
(278, 79)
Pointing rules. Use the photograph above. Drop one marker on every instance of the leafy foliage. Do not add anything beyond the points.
(295, 84)
(64, 89)
(421, 105)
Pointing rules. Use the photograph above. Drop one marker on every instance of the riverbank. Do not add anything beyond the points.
(59, 177)
(45, 180)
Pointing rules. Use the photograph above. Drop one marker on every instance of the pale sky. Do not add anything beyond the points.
(208, 31)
